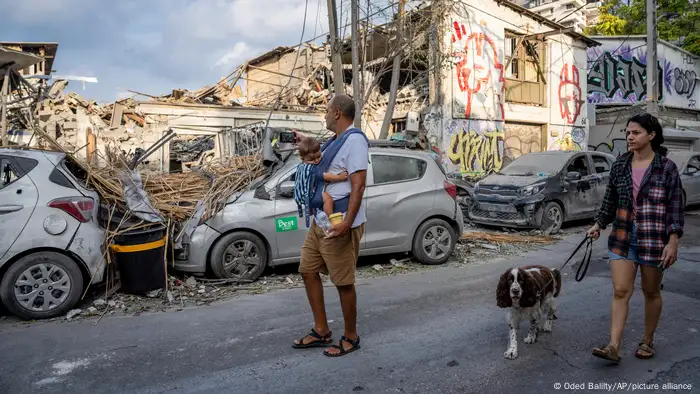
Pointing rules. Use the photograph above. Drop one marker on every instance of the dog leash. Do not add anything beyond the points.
(588, 241)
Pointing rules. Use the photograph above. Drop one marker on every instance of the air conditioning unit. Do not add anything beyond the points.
(412, 122)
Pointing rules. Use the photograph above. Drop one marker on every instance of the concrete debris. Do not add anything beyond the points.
(99, 302)
(155, 293)
(399, 263)
(377, 267)
(92, 311)
(73, 313)
(169, 295)
(191, 281)
(290, 281)
(489, 246)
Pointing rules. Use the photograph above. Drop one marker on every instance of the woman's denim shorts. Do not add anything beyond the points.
(632, 252)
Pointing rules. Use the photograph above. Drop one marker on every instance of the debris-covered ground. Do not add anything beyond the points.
(477, 246)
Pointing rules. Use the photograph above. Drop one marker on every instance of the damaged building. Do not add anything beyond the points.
(477, 88)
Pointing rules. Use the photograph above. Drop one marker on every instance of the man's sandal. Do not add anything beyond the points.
(321, 341)
(648, 349)
(343, 351)
(607, 352)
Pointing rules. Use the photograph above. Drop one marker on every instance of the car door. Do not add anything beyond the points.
(691, 183)
(601, 165)
(395, 198)
(580, 201)
(290, 229)
(18, 198)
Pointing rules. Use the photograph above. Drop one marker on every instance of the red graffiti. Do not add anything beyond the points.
(475, 64)
(570, 97)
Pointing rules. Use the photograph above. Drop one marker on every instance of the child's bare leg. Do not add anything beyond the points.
(327, 204)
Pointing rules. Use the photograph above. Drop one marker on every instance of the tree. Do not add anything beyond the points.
(678, 21)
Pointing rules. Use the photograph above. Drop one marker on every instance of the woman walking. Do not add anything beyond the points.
(643, 203)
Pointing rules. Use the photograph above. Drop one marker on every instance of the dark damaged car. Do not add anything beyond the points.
(543, 190)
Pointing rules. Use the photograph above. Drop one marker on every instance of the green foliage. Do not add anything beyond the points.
(678, 21)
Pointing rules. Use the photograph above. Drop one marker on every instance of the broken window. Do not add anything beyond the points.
(579, 165)
(601, 164)
(525, 77)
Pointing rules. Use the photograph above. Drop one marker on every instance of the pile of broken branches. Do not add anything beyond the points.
(176, 195)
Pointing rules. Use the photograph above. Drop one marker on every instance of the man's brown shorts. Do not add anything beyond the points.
(336, 257)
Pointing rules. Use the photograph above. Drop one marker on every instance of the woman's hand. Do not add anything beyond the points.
(594, 232)
(670, 254)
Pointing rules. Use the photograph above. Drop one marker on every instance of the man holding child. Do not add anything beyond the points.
(335, 252)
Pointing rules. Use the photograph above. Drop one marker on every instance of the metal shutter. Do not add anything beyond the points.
(677, 145)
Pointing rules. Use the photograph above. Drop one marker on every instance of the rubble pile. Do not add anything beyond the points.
(309, 94)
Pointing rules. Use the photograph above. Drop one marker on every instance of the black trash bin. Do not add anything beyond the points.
(140, 257)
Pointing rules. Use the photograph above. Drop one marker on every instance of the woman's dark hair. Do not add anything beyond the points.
(651, 123)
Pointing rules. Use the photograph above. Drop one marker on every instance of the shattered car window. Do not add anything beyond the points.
(528, 165)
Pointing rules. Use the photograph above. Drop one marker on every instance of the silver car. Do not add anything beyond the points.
(411, 207)
(50, 242)
(688, 164)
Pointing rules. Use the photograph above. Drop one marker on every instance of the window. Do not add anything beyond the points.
(569, 6)
(601, 164)
(525, 75)
(388, 169)
(579, 165)
(8, 173)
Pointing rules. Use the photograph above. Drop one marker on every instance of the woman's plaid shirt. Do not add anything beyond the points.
(659, 208)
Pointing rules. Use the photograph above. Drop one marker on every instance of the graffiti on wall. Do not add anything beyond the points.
(520, 139)
(475, 147)
(615, 147)
(684, 81)
(620, 77)
(479, 75)
(572, 140)
(570, 94)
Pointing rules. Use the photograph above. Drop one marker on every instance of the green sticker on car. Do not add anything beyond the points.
(286, 224)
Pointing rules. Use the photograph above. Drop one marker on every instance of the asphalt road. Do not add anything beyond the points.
(432, 332)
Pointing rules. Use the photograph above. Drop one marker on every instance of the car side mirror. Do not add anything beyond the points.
(691, 170)
(573, 176)
(286, 189)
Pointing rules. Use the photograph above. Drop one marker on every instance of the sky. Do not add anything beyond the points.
(154, 46)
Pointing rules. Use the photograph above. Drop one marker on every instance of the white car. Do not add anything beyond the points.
(50, 241)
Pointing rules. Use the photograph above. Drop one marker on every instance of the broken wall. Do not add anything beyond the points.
(267, 75)
(194, 120)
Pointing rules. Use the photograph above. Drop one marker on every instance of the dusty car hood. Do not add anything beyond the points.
(510, 182)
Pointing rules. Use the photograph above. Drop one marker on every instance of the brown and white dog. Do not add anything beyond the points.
(528, 292)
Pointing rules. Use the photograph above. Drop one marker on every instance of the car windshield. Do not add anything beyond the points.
(533, 164)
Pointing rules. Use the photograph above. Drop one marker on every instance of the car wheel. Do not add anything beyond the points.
(683, 199)
(239, 255)
(41, 286)
(434, 242)
(553, 218)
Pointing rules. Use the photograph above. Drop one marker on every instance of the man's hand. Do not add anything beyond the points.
(670, 254)
(297, 135)
(339, 229)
